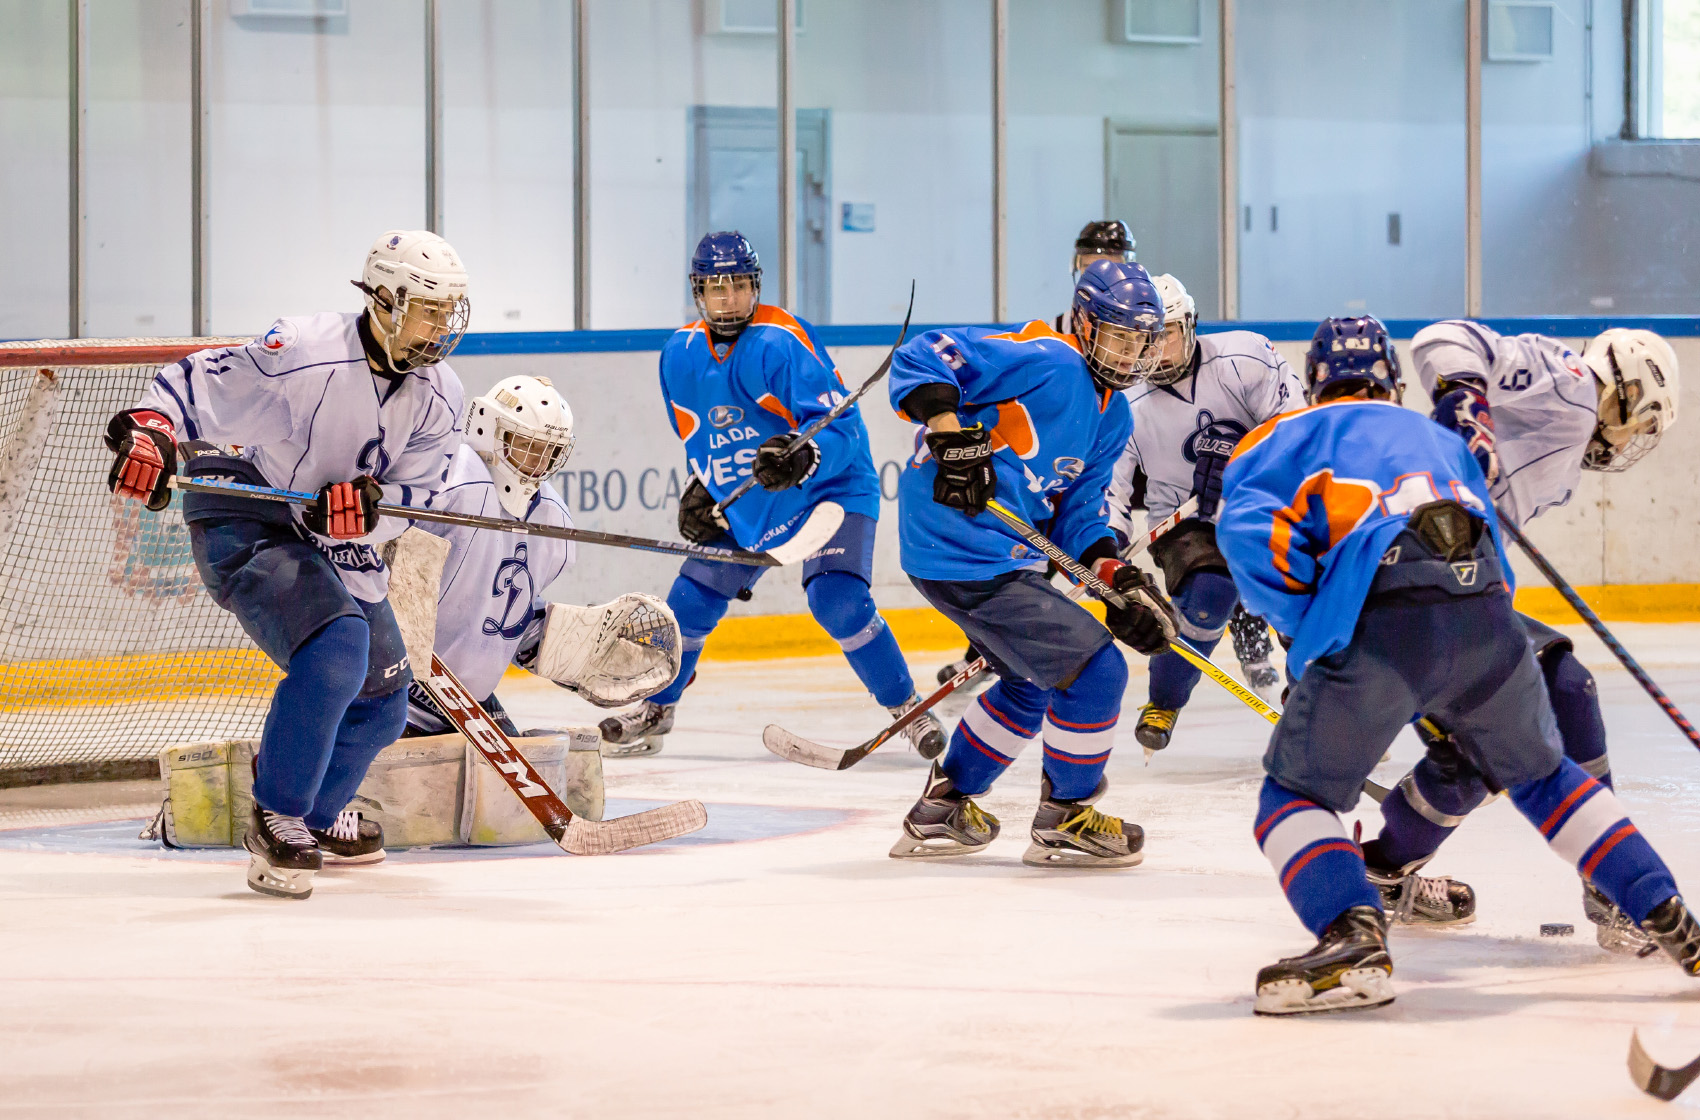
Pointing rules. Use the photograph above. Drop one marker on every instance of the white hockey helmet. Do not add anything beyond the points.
(1639, 387)
(416, 303)
(523, 430)
(1180, 321)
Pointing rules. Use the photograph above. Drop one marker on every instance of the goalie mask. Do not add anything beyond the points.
(416, 306)
(1637, 374)
(523, 430)
(1180, 337)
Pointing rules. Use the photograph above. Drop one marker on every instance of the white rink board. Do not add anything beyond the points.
(810, 975)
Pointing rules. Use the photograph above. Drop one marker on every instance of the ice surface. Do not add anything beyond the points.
(782, 965)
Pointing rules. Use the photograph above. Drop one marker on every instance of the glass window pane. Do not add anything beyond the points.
(316, 146)
(898, 95)
(683, 141)
(1351, 151)
(34, 173)
(138, 178)
(1104, 127)
(508, 158)
(1680, 70)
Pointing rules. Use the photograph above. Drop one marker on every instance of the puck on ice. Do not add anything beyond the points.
(1557, 929)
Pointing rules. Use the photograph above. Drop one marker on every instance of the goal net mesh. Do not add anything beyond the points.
(110, 647)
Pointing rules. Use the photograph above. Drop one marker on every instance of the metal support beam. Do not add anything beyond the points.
(581, 165)
(1000, 160)
(1473, 159)
(199, 245)
(1228, 130)
(787, 36)
(434, 117)
(78, 230)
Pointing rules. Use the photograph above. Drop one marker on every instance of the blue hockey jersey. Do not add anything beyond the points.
(1311, 500)
(1055, 438)
(776, 378)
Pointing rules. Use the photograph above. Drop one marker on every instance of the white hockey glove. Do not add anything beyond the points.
(613, 654)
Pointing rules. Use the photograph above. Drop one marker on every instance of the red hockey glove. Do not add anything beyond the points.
(345, 510)
(145, 445)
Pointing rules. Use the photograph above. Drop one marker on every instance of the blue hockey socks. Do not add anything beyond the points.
(996, 728)
(370, 724)
(1080, 727)
(843, 605)
(1583, 822)
(699, 610)
(1203, 603)
(1423, 810)
(1321, 870)
(1576, 705)
(324, 676)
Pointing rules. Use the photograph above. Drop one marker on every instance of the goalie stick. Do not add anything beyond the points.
(795, 748)
(574, 834)
(805, 542)
(1656, 1080)
(837, 410)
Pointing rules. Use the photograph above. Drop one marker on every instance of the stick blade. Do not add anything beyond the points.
(1655, 1080)
(601, 838)
(795, 748)
(820, 528)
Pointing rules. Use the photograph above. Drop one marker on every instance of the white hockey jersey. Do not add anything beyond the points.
(305, 408)
(1544, 401)
(493, 582)
(1238, 382)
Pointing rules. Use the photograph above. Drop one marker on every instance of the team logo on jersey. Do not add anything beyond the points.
(1067, 466)
(280, 338)
(1019, 552)
(373, 459)
(1212, 437)
(725, 415)
(513, 579)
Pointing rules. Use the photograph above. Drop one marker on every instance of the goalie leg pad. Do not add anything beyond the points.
(613, 654)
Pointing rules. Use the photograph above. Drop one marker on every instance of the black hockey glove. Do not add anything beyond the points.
(345, 510)
(1148, 621)
(142, 440)
(779, 467)
(1207, 474)
(698, 523)
(966, 480)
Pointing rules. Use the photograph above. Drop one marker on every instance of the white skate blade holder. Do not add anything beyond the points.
(278, 882)
(1037, 855)
(1357, 988)
(907, 847)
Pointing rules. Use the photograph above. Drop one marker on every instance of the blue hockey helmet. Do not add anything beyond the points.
(1349, 354)
(1118, 317)
(726, 281)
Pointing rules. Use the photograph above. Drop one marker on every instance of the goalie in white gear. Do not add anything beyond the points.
(490, 609)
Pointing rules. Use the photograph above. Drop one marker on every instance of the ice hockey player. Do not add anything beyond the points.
(1108, 239)
(490, 609)
(361, 409)
(1205, 393)
(738, 383)
(1535, 415)
(1364, 532)
(1034, 419)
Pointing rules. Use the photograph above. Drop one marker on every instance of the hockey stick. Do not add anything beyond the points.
(1600, 631)
(574, 834)
(795, 748)
(837, 410)
(1656, 1080)
(808, 540)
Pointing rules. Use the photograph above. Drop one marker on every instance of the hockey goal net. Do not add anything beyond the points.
(110, 648)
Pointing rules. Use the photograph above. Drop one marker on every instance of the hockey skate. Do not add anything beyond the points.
(1614, 929)
(1419, 900)
(1674, 930)
(1252, 647)
(1156, 725)
(968, 685)
(926, 733)
(637, 733)
(944, 822)
(1348, 969)
(1074, 834)
(351, 839)
(284, 855)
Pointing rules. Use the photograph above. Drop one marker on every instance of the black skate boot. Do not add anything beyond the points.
(284, 855)
(945, 822)
(351, 839)
(1156, 725)
(1348, 969)
(1613, 929)
(925, 733)
(637, 733)
(1418, 900)
(948, 671)
(1673, 928)
(1253, 648)
(1074, 834)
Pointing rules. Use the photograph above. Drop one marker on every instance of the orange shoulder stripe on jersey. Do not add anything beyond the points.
(684, 420)
(1015, 430)
(776, 406)
(1345, 502)
(768, 315)
(1035, 331)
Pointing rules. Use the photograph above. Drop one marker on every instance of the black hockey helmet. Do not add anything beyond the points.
(1109, 239)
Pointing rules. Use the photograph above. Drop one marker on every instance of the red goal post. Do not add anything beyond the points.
(110, 648)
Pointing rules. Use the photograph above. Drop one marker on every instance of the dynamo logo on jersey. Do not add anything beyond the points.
(373, 459)
(725, 415)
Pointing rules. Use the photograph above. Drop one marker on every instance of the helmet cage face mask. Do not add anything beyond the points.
(1118, 355)
(1167, 373)
(1622, 441)
(416, 331)
(532, 455)
(727, 300)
